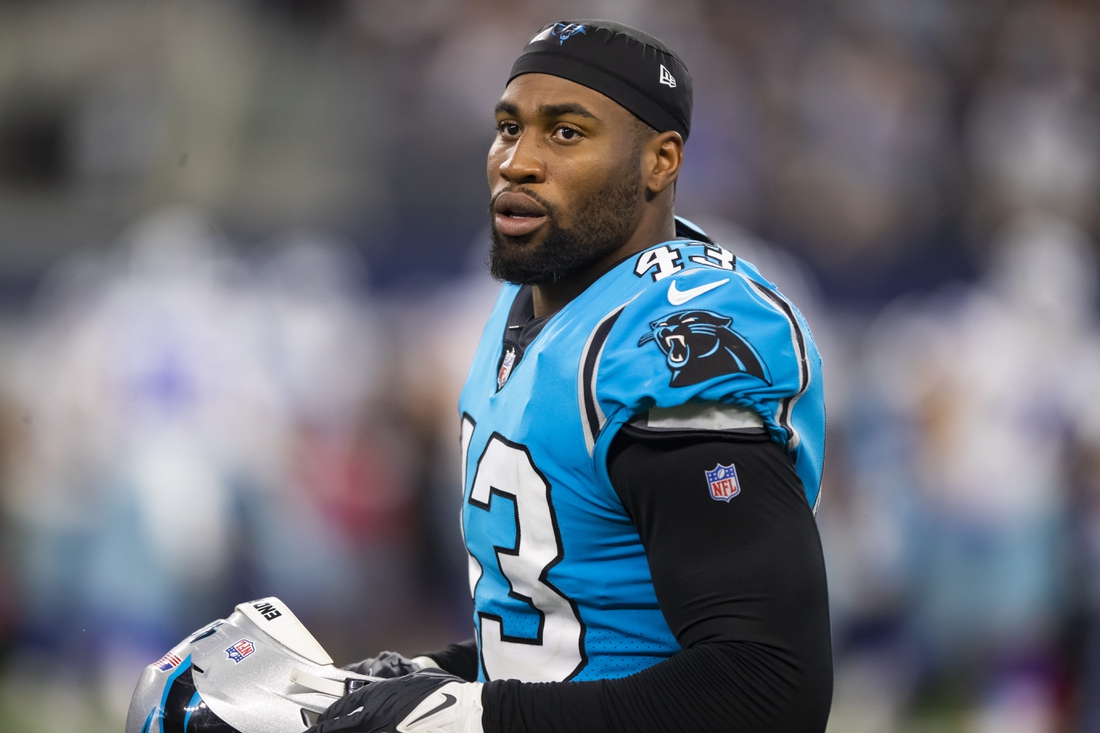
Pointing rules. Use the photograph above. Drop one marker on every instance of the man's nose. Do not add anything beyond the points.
(523, 164)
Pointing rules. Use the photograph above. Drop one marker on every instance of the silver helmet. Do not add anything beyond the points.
(258, 671)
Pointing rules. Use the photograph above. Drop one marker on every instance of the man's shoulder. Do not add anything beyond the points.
(699, 324)
(683, 271)
(693, 295)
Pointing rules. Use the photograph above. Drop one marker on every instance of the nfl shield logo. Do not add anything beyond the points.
(506, 367)
(723, 482)
(240, 650)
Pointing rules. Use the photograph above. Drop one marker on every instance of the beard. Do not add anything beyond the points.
(603, 222)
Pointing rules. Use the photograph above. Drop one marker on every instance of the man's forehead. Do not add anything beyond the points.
(535, 93)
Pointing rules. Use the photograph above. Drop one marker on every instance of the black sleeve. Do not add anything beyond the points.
(741, 584)
(459, 659)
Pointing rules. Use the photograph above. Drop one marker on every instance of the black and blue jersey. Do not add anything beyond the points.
(680, 333)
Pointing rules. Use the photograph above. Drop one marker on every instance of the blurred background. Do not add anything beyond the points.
(242, 250)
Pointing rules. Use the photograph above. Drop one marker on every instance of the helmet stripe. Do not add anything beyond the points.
(170, 685)
(192, 707)
(181, 691)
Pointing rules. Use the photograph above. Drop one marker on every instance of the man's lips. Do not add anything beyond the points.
(516, 215)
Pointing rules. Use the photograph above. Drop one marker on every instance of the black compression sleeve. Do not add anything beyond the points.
(741, 584)
(458, 659)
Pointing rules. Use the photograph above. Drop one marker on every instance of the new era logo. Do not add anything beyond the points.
(667, 78)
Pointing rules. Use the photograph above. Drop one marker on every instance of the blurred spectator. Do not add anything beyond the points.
(860, 173)
(193, 436)
(980, 391)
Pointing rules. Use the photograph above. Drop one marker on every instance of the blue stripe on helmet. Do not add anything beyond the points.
(184, 666)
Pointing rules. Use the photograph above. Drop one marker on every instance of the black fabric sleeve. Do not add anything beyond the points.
(741, 584)
(459, 659)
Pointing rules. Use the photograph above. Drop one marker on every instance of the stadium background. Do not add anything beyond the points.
(241, 248)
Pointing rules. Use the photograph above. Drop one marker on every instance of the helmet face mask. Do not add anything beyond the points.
(258, 671)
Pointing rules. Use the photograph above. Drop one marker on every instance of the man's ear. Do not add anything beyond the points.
(661, 161)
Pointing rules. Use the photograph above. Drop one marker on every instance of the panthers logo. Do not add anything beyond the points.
(699, 345)
(564, 31)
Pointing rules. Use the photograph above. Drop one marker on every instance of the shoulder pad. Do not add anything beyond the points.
(703, 327)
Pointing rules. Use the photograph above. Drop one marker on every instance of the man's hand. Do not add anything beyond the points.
(390, 664)
(426, 701)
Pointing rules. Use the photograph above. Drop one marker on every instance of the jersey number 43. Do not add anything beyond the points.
(555, 652)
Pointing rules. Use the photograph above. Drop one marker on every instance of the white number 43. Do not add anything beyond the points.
(505, 472)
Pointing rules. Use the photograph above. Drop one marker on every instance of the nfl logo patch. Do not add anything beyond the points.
(167, 662)
(240, 650)
(723, 482)
(506, 365)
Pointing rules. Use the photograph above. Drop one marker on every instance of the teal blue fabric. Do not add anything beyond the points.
(681, 322)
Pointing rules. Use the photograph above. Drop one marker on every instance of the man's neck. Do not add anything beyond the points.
(552, 297)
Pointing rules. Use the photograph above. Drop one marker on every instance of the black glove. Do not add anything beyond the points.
(385, 665)
(428, 700)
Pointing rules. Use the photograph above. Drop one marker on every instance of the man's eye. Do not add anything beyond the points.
(508, 128)
(567, 133)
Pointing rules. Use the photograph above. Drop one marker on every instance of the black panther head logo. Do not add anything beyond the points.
(699, 345)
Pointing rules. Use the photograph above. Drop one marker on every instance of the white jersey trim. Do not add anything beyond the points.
(702, 416)
(592, 417)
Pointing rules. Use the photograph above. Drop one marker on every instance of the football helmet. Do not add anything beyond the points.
(258, 671)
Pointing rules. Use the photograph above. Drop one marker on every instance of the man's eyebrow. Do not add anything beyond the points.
(506, 108)
(566, 108)
(546, 110)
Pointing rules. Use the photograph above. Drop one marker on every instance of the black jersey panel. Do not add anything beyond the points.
(740, 578)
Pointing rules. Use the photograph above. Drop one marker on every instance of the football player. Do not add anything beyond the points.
(642, 434)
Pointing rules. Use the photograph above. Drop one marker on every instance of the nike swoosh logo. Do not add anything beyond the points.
(448, 701)
(679, 297)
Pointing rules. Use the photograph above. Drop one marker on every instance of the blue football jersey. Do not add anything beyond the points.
(559, 577)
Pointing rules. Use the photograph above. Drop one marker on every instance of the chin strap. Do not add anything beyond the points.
(327, 685)
(332, 688)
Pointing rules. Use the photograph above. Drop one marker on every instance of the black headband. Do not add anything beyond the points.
(628, 66)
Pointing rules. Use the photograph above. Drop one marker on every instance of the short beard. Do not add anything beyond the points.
(602, 224)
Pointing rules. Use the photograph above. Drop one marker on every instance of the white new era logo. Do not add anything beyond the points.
(667, 77)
